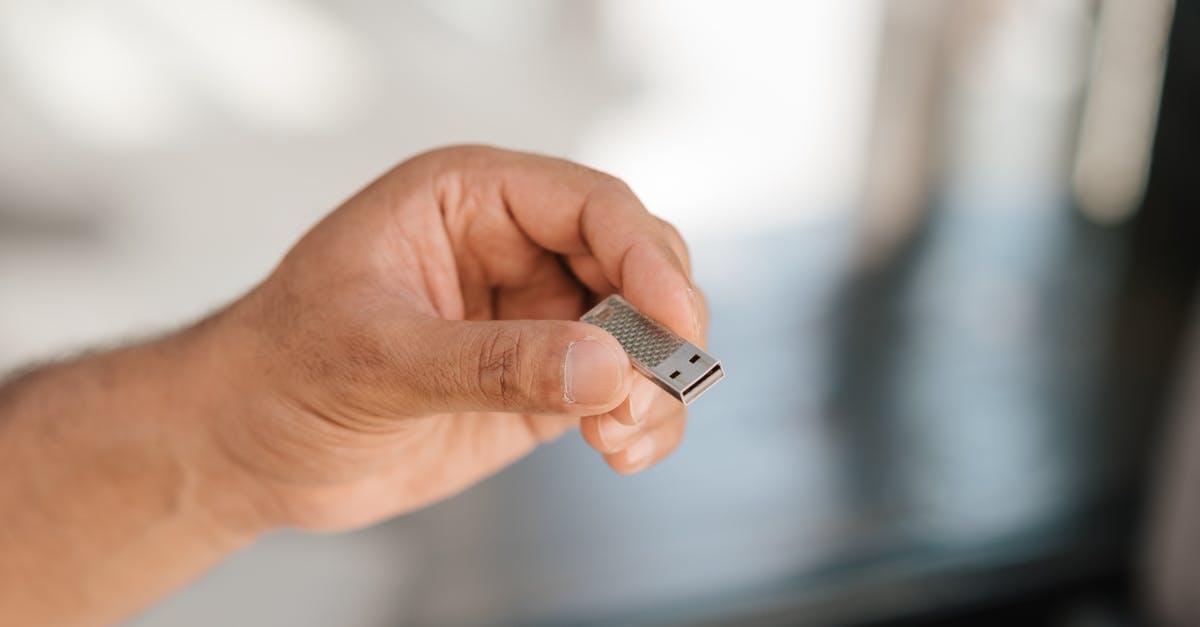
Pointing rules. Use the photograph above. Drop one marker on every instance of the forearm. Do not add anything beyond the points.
(110, 494)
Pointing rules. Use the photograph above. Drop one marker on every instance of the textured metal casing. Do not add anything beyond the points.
(674, 364)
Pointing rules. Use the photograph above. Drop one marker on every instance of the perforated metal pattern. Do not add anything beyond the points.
(644, 339)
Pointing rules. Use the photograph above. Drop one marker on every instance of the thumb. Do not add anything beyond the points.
(525, 366)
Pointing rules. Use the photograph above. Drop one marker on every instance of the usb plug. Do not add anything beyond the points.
(674, 364)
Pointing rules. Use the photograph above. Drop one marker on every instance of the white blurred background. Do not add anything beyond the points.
(158, 156)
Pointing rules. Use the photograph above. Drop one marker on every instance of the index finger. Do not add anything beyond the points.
(570, 209)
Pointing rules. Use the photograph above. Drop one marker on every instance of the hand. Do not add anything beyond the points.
(425, 335)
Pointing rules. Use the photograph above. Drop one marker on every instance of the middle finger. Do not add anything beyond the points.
(649, 407)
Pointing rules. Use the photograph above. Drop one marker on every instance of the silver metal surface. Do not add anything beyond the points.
(674, 364)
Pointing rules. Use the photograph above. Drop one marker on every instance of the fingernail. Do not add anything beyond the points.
(695, 311)
(613, 434)
(624, 412)
(638, 455)
(641, 398)
(636, 408)
(591, 373)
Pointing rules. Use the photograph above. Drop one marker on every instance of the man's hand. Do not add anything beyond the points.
(417, 340)
(425, 335)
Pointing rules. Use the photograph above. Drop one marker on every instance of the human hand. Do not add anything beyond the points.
(424, 335)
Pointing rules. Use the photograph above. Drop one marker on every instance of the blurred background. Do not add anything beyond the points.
(950, 249)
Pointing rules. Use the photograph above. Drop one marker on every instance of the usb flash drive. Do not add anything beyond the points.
(672, 363)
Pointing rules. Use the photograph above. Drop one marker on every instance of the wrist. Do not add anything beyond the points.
(109, 465)
(219, 391)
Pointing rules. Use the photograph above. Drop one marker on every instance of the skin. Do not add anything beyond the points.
(417, 340)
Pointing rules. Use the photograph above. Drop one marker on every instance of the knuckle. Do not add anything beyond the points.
(601, 181)
(614, 183)
(596, 178)
(670, 229)
(500, 354)
(675, 241)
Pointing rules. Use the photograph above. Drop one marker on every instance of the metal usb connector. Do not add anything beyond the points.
(674, 364)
